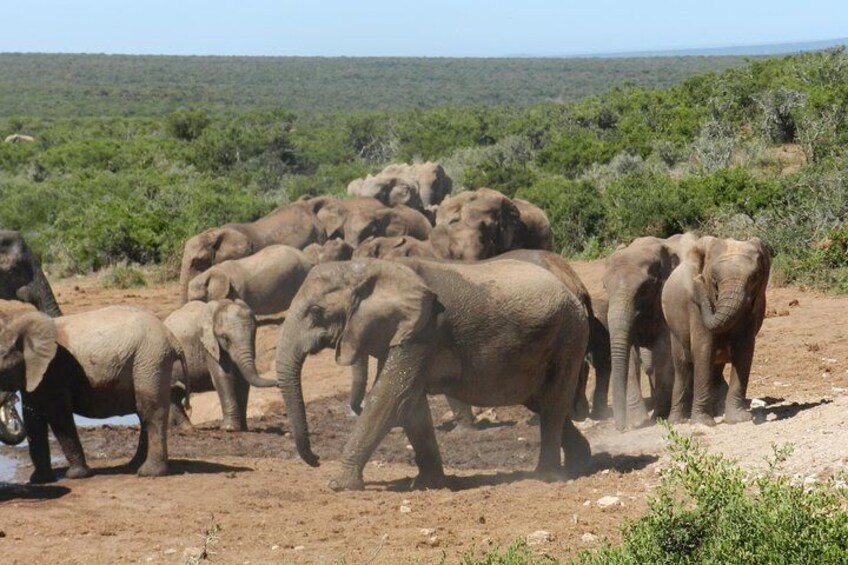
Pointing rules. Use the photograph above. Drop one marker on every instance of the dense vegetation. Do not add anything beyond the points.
(64, 85)
(707, 510)
(753, 150)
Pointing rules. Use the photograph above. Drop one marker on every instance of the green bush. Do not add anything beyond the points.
(518, 553)
(707, 510)
(122, 276)
(187, 125)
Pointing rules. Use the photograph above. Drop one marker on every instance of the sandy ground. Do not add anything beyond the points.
(272, 508)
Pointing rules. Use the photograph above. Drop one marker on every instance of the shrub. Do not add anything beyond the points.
(778, 107)
(187, 125)
(518, 553)
(571, 152)
(707, 510)
(122, 276)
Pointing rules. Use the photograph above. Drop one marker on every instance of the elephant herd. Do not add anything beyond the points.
(457, 295)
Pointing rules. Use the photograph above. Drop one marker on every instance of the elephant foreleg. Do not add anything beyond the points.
(178, 416)
(741, 355)
(61, 418)
(242, 388)
(703, 354)
(223, 378)
(637, 413)
(681, 392)
(39, 447)
(418, 425)
(394, 394)
(662, 371)
(359, 383)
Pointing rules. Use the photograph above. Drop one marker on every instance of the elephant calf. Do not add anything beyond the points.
(219, 341)
(267, 281)
(99, 364)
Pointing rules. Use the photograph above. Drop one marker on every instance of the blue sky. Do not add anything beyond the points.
(404, 28)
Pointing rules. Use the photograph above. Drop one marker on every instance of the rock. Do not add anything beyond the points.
(170, 551)
(758, 403)
(607, 501)
(539, 537)
(405, 507)
(433, 541)
(299, 547)
(588, 537)
(427, 531)
(587, 503)
(275, 547)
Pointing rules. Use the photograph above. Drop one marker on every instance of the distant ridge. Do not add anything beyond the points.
(736, 50)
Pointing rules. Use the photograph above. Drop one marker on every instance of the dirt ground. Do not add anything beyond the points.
(272, 508)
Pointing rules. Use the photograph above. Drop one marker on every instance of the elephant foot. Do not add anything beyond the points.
(737, 416)
(429, 480)
(40, 477)
(703, 419)
(233, 427)
(581, 409)
(601, 413)
(355, 410)
(549, 474)
(677, 417)
(348, 481)
(578, 453)
(637, 417)
(153, 469)
(78, 472)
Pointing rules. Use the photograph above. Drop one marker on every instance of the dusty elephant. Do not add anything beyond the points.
(436, 329)
(394, 247)
(535, 231)
(219, 342)
(295, 225)
(419, 186)
(267, 281)
(331, 250)
(396, 221)
(103, 363)
(715, 302)
(633, 278)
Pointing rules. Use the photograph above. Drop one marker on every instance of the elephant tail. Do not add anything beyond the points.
(180, 353)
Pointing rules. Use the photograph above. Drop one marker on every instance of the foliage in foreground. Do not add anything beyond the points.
(708, 510)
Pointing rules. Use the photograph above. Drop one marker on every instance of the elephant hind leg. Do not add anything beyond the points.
(418, 425)
(578, 452)
(61, 417)
(461, 412)
(152, 395)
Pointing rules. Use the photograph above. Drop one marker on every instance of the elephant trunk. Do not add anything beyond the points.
(246, 363)
(290, 360)
(43, 296)
(621, 319)
(728, 306)
(185, 276)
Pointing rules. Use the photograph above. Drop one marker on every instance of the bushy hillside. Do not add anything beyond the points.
(754, 150)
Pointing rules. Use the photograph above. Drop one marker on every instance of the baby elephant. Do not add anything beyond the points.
(267, 281)
(104, 363)
(219, 340)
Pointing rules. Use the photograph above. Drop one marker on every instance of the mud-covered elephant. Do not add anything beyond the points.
(714, 303)
(295, 225)
(394, 247)
(438, 328)
(633, 278)
(108, 362)
(267, 281)
(219, 342)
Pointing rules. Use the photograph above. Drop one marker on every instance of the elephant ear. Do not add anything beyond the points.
(695, 253)
(219, 286)
(36, 335)
(229, 243)
(207, 332)
(388, 305)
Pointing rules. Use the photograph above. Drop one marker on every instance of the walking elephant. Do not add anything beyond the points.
(295, 225)
(103, 363)
(438, 329)
(219, 342)
(267, 281)
(633, 278)
(715, 302)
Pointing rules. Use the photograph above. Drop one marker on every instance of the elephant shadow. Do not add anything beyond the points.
(176, 467)
(774, 406)
(457, 483)
(11, 491)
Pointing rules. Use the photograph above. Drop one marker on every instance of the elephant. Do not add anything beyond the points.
(396, 221)
(419, 186)
(535, 232)
(714, 303)
(332, 213)
(219, 342)
(438, 328)
(331, 250)
(267, 281)
(633, 278)
(103, 363)
(295, 225)
(21, 278)
(394, 247)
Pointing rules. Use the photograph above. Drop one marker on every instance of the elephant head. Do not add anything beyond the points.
(210, 248)
(228, 334)
(362, 307)
(393, 247)
(391, 190)
(27, 346)
(728, 279)
(212, 284)
(21, 277)
(332, 250)
(476, 225)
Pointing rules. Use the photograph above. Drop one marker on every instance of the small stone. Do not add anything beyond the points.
(275, 547)
(605, 472)
(588, 537)
(427, 532)
(522, 438)
(405, 509)
(433, 541)
(408, 447)
(607, 501)
(587, 503)
(299, 548)
(539, 537)
(758, 403)
(170, 551)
